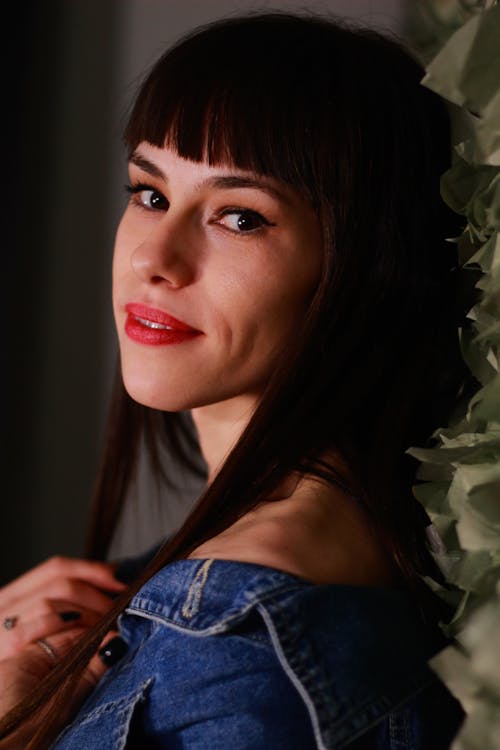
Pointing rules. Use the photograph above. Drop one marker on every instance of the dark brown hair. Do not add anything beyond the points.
(338, 113)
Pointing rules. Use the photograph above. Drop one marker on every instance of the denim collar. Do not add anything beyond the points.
(209, 596)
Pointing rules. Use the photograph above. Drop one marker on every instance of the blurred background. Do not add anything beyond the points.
(70, 72)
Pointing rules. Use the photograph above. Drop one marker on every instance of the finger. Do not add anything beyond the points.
(39, 659)
(32, 608)
(19, 675)
(111, 650)
(75, 592)
(114, 647)
(96, 573)
(45, 625)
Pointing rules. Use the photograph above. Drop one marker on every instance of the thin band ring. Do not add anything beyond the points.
(49, 650)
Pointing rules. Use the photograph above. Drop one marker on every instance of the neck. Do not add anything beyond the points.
(219, 426)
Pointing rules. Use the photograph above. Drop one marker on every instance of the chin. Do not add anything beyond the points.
(149, 394)
(173, 397)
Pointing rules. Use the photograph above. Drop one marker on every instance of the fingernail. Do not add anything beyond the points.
(113, 651)
(71, 615)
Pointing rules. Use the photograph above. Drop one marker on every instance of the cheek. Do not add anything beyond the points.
(265, 304)
(288, 286)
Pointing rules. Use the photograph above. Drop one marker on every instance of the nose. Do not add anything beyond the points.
(163, 256)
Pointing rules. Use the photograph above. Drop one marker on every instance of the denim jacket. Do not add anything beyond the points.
(239, 656)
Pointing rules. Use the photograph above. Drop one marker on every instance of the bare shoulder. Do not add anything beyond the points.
(318, 533)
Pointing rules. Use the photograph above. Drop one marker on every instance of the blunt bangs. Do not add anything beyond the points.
(250, 95)
(289, 96)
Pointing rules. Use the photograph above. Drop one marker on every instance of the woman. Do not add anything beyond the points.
(280, 272)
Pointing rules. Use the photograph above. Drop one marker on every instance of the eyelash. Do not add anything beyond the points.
(234, 210)
(137, 188)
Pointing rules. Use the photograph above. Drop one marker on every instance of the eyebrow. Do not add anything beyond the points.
(146, 166)
(222, 181)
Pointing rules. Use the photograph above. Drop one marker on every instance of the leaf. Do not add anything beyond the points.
(474, 191)
(459, 476)
(473, 677)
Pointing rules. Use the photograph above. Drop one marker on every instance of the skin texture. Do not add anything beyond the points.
(315, 532)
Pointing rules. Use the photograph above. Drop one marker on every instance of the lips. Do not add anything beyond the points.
(148, 325)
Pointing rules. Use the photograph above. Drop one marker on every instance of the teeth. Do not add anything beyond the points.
(150, 324)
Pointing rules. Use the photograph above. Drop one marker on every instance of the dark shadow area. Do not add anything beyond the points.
(57, 75)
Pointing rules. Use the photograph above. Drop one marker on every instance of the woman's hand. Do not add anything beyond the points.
(42, 614)
(21, 673)
(54, 597)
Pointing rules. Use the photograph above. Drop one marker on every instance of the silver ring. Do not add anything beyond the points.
(10, 622)
(49, 650)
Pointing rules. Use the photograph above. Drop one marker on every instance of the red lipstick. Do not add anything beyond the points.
(147, 325)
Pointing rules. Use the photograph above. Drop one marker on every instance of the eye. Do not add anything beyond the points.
(147, 197)
(242, 220)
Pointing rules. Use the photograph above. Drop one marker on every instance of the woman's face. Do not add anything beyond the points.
(213, 270)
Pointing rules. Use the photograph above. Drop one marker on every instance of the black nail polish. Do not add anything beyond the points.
(68, 616)
(113, 651)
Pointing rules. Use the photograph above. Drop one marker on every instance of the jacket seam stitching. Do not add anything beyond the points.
(311, 708)
(221, 624)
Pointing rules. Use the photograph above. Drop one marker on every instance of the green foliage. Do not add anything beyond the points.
(459, 478)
